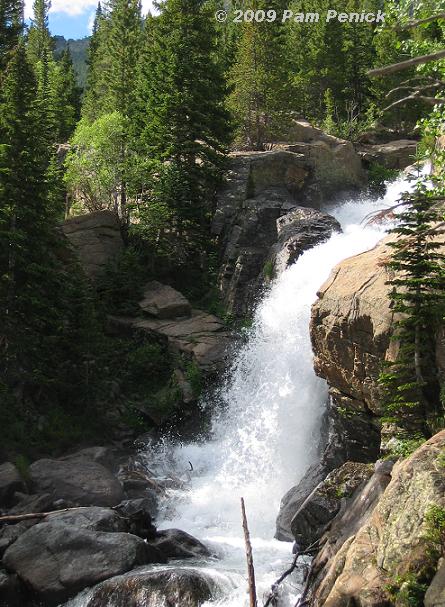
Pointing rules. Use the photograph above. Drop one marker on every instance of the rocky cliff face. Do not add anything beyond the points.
(260, 211)
(388, 552)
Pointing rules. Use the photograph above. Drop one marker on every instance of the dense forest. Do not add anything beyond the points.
(167, 96)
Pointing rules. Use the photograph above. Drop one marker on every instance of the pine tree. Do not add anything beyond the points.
(186, 125)
(261, 93)
(39, 39)
(412, 394)
(113, 59)
(67, 94)
(11, 26)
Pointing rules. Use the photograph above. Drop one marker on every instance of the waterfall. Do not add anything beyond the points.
(265, 434)
(266, 426)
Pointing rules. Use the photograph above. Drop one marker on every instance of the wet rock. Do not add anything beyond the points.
(12, 591)
(78, 481)
(300, 230)
(260, 188)
(32, 503)
(9, 534)
(138, 515)
(172, 587)
(174, 543)
(321, 506)
(106, 456)
(58, 560)
(92, 518)
(10, 482)
(394, 542)
(97, 239)
(163, 301)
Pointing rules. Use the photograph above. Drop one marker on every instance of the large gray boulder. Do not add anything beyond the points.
(96, 238)
(76, 481)
(393, 155)
(10, 482)
(174, 543)
(435, 595)
(92, 518)
(173, 587)
(163, 301)
(58, 560)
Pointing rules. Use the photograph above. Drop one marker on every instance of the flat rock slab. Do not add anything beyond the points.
(162, 301)
(58, 560)
(77, 481)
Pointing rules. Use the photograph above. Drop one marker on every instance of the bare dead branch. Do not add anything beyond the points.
(416, 96)
(418, 89)
(403, 65)
(416, 22)
(283, 576)
(249, 557)
(16, 518)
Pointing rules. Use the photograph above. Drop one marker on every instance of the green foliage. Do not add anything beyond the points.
(378, 175)
(269, 270)
(193, 375)
(412, 393)
(98, 162)
(403, 448)
(120, 286)
(11, 27)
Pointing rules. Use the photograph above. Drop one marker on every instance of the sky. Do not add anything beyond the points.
(73, 18)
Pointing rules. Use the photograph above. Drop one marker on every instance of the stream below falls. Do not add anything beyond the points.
(265, 430)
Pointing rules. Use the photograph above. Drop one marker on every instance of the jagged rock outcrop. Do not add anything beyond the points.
(323, 503)
(378, 547)
(96, 238)
(261, 188)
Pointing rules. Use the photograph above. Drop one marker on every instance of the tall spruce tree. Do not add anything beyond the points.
(11, 26)
(186, 127)
(67, 96)
(260, 93)
(411, 387)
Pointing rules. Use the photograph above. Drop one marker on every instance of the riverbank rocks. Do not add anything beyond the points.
(399, 541)
(162, 301)
(10, 482)
(179, 587)
(393, 155)
(92, 518)
(57, 560)
(96, 238)
(194, 337)
(174, 543)
(76, 481)
(262, 187)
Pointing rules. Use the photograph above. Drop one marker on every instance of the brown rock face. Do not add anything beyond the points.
(96, 238)
(350, 327)
(397, 541)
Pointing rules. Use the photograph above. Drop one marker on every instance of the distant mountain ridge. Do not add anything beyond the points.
(79, 49)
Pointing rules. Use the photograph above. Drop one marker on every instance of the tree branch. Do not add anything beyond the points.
(416, 22)
(418, 89)
(416, 96)
(403, 65)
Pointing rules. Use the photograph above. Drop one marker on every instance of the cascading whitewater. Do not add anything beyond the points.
(266, 426)
(266, 434)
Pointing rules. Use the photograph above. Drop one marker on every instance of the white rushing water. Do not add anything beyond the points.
(266, 434)
(266, 426)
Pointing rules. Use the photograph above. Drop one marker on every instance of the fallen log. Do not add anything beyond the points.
(403, 65)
